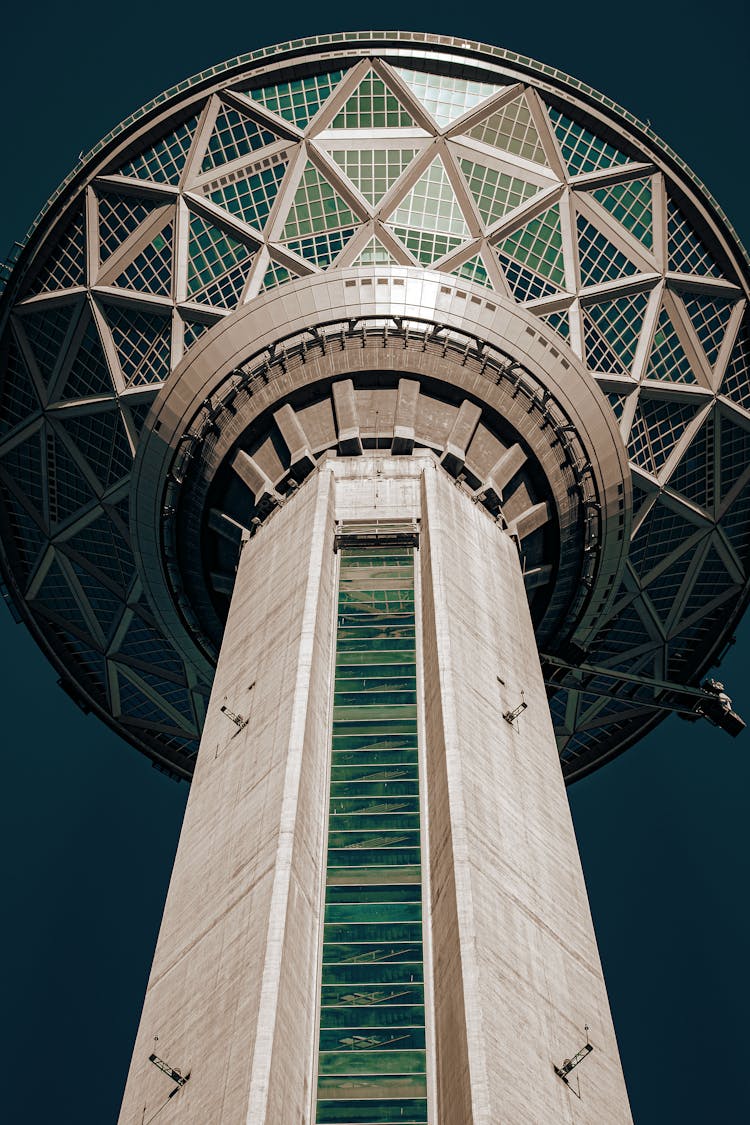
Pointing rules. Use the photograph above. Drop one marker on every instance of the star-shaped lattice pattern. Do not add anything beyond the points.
(399, 165)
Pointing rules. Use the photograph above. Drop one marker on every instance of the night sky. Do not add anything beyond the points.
(89, 829)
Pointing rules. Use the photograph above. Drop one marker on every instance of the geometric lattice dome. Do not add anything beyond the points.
(365, 151)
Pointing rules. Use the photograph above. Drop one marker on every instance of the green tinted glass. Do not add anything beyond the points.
(372, 993)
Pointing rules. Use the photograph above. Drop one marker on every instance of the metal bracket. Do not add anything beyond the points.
(511, 716)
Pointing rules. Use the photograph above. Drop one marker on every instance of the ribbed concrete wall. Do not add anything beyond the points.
(517, 973)
(233, 988)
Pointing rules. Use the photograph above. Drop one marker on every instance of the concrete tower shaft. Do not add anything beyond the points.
(508, 971)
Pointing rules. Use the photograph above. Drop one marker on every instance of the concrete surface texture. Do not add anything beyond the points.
(515, 974)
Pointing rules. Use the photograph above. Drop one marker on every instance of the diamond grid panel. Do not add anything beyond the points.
(525, 285)
(709, 317)
(217, 263)
(600, 261)
(234, 136)
(18, 400)
(102, 544)
(667, 360)
(662, 531)
(276, 274)
(139, 411)
(473, 270)
(735, 453)
(57, 595)
(444, 98)
(251, 197)
(559, 322)
(135, 704)
(687, 254)
(300, 100)
(317, 207)
(66, 264)
(625, 632)
(538, 246)
(119, 216)
(495, 193)
(151, 270)
(581, 150)
(373, 171)
(163, 162)
(372, 106)
(107, 607)
(90, 662)
(89, 374)
(143, 644)
(736, 525)
(736, 382)
(611, 332)
(192, 331)
(23, 464)
(512, 129)
(694, 476)
(46, 332)
(713, 580)
(143, 342)
(631, 205)
(657, 426)
(663, 590)
(27, 537)
(102, 440)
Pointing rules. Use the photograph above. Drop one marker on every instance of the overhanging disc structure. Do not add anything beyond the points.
(365, 243)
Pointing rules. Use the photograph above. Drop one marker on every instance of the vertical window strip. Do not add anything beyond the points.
(371, 1066)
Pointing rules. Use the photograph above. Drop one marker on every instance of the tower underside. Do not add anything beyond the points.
(377, 911)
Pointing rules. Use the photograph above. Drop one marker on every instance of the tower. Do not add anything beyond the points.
(529, 214)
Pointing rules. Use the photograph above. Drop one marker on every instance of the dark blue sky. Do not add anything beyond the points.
(89, 829)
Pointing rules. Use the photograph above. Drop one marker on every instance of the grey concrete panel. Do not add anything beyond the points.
(517, 973)
(232, 991)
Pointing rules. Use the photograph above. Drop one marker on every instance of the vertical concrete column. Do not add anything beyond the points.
(232, 994)
(516, 970)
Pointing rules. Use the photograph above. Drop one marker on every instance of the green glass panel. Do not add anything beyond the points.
(373, 894)
(300, 100)
(667, 360)
(374, 254)
(391, 1015)
(374, 171)
(343, 996)
(372, 106)
(373, 931)
(372, 857)
(582, 151)
(538, 245)
(372, 952)
(446, 99)
(377, 1053)
(512, 129)
(317, 207)
(374, 974)
(252, 196)
(630, 204)
(496, 193)
(403, 1111)
(358, 912)
(374, 1086)
(431, 205)
(473, 269)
